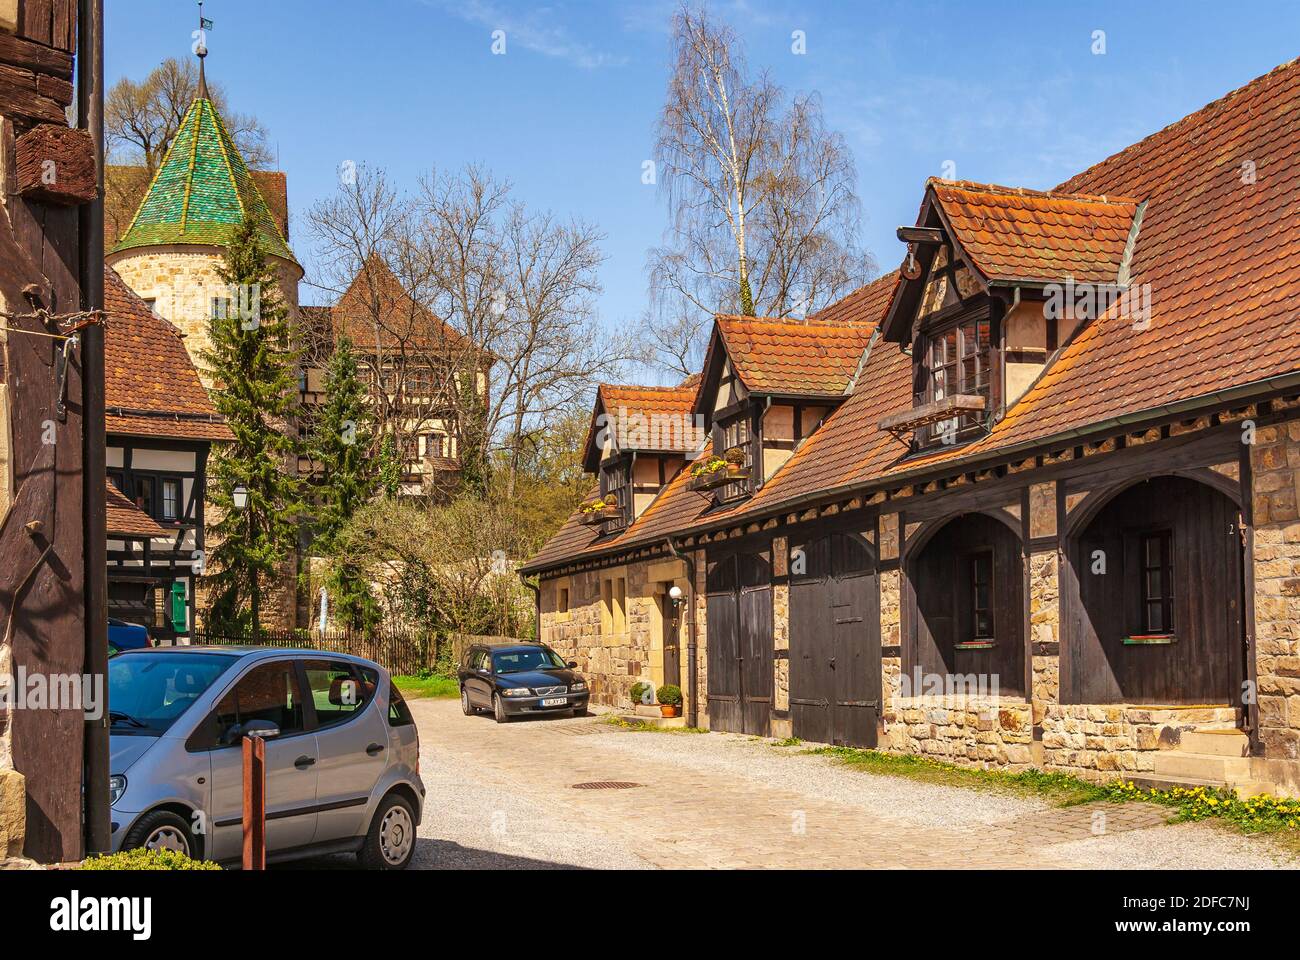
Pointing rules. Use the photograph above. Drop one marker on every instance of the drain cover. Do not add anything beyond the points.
(605, 785)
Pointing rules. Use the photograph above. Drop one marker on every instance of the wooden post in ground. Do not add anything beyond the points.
(254, 803)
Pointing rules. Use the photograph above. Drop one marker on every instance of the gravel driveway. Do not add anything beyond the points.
(503, 796)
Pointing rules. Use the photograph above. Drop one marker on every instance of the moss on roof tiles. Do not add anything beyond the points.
(202, 191)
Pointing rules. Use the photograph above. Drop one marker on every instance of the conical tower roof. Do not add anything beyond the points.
(202, 190)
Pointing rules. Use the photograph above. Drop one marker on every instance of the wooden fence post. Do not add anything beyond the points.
(254, 803)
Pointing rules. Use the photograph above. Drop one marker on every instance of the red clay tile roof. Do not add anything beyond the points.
(1219, 255)
(643, 418)
(151, 386)
(125, 519)
(647, 400)
(789, 358)
(1013, 234)
(865, 305)
(376, 292)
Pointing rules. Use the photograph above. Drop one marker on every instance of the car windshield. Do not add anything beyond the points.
(526, 658)
(148, 691)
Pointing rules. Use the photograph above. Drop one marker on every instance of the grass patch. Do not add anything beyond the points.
(788, 742)
(431, 686)
(1060, 788)
(1265, 814)
(640, 726)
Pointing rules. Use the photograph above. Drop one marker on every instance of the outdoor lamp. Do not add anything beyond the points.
(240, 496)
(675, 595)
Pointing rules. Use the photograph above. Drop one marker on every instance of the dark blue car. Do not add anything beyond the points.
(126, 636)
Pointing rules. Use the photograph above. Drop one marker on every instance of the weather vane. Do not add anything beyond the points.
(202, 35)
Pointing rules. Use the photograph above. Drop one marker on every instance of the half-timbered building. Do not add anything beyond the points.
(160, 424)
(1031, 500)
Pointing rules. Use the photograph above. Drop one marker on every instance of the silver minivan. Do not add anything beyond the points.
(342, 753)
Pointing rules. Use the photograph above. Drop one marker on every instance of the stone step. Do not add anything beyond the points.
(1217, 743)
(1205, 767)
(1251, 788)
(653, 721)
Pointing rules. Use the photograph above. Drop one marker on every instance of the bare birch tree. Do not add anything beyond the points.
(764, 213)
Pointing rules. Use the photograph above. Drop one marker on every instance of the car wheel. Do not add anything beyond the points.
(390, 844)
(466, 707)
(162, 830)
(579, 711)
(499, 710)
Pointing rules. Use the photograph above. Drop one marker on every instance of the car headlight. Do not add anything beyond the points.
(579, 686)
(516, 692)
(116, 787)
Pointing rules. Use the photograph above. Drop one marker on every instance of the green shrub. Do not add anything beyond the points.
(639, 690)
(669, 694)
(142, 859)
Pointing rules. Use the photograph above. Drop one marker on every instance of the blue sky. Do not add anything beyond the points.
(1008, 92)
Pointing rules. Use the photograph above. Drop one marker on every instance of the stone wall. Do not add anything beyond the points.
(1044, 629)
(1275, 468)
(980, 730)
(782, 725)
(182, 281)
(1103, 742)
(612, 655)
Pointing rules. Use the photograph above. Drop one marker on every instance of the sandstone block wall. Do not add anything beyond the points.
(1275, 469)
(182, 281)
(615, 656)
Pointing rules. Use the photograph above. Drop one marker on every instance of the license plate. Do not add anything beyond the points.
(555, 701)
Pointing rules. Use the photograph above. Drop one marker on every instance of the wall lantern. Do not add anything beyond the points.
(240, 496)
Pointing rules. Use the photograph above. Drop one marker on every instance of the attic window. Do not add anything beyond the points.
(956, 361)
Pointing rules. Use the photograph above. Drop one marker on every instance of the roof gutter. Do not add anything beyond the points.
(1276, 384)
(1253, 391)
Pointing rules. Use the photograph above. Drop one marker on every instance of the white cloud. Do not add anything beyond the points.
(536, 30)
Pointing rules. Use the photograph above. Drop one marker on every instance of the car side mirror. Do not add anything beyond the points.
(263, 729)
(573, 664)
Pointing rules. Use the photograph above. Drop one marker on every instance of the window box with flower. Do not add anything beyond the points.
(598, 510)
(712, 472)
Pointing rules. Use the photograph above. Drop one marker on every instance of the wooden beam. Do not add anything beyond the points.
(56, 165)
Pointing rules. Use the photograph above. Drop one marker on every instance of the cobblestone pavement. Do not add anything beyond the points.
(503, 795)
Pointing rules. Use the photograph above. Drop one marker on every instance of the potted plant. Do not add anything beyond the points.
(641, 693)
(670, 700)
(598, 509)
(734, 458)
(714, 471)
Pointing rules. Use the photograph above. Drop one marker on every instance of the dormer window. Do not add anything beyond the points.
(616, 482)
(957, 363)
(734, 443)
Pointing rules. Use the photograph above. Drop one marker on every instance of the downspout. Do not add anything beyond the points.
(1002, 354)
(536, 590)
(692, 683)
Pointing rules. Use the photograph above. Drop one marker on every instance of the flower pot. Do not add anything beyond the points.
(669, 709)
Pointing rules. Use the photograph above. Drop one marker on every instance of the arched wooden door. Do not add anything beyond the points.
(1156, 616)
(739, 625)
(835, 682)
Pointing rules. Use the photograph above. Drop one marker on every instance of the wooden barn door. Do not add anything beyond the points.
(835, 683)
(739, 601)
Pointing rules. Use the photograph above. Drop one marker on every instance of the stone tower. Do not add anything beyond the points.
(171, 253)
(202, 191)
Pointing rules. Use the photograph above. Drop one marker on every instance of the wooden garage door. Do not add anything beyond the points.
(835, 683)
(739, 625)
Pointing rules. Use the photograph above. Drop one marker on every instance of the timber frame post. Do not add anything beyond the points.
(50, 281)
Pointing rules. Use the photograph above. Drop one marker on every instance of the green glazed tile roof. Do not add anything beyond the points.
(201, 191)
